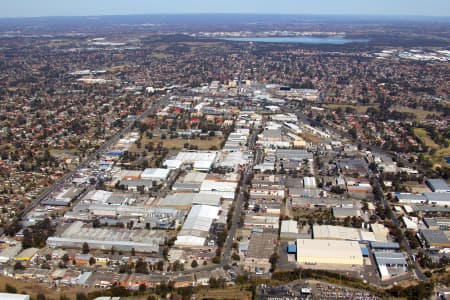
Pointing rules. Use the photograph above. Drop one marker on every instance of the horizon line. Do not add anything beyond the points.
(230, 13)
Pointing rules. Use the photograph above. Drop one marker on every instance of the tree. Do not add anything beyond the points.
(119, 291)
(133, 252)
(65, 258)
(273, 261)
(186, 292)
(81, 296)
(18, 266)
(216, 260)
(92, 261)
(85, 248)
(241, 280)
(141, 267)
(27, 240)
(40, 296)
(10, 289)
(160, 266)
(142, 288)
(347, 221)
(194, 264)
(96, 223)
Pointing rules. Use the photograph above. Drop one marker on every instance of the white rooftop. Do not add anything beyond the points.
(98, 196)
(191, 157)
(289, 226)
(197, 224)
(156, 174)
(7, 296)
(172, 163)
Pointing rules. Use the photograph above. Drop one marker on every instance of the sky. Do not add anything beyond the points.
(39, 8)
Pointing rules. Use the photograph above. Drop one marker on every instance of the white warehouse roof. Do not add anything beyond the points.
(289, 226)
(329, 252)
(196, 227)
(202, 165)
(155, 174)
(325, 232)
(191, 157)
(98, 196)
(172, 164)
(221, 186)
(7, 296)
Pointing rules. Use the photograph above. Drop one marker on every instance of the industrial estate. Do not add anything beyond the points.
(148, 163)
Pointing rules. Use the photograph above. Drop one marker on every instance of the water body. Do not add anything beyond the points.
(298, 40)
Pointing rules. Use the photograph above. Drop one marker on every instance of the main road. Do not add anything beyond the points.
(226, 253)
(404, 242)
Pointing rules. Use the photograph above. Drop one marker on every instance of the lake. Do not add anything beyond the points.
(298, 40)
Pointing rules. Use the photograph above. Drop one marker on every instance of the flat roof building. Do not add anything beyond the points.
(438, 185)
(289, 230)
(172, 164)
(8, 296)
(440, 199)
(104, 238)
(390, 259)
(329, 232)
(329, 252)
(410, 198)
(195, 229)
(155, 174)
(295, 155)
(309, 182)
(435, 238)
(260, 249)
(437, 223)
(380, 231)
(8, 253)
(27, 254)
(253, 221)
(385, 246)
(390, 264)
(201, 160)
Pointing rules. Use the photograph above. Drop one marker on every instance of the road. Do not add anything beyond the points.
(226, 253)
(324, 91)
(61, 181)
(404, 242)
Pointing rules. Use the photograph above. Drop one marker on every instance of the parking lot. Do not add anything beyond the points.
(312, 289)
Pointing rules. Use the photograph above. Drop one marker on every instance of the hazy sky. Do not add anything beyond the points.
(34, 8)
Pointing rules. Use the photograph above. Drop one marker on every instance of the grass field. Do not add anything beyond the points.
(422, 134)
(62, 153)
(438, 158)
(178, 143)
(32, 288)
(233, 292)
(358, 108)
(419, 113)
(311, 138)
(306, 213)
(160, 55)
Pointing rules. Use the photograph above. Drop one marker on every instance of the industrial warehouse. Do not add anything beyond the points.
(195, 229)
(323, 253)
(103, 238)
